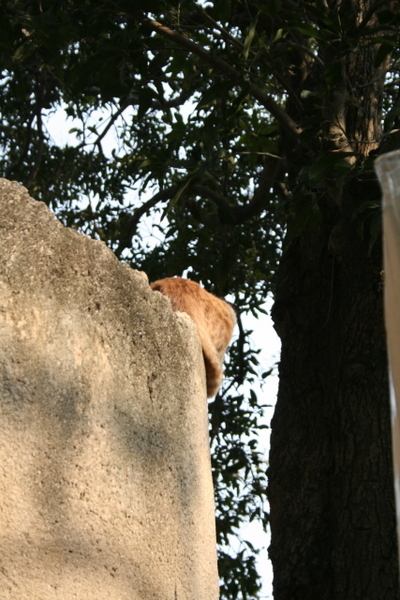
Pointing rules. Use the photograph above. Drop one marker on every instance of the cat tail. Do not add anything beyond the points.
(212, 361)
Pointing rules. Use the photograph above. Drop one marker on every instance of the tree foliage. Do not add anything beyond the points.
(236, 123)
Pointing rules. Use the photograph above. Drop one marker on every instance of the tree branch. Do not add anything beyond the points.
(270, 177)
(219, 199)
(225, 34)
(240, 46)
(124, 105)
(133, 99)
(39, 94)
(133, 222)
(18, 162)
(369, 14)
(214, 61)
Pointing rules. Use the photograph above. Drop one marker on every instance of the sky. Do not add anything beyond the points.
(263, 337)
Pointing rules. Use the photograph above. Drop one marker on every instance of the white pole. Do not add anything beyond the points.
(387, 168)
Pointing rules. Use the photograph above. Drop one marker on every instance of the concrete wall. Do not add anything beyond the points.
(105, 481)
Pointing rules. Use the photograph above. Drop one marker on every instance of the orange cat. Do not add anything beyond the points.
(213, 317)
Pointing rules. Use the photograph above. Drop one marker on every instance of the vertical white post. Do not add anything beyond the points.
(387, 168)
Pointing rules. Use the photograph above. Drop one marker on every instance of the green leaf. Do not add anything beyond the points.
(215, 92)
(177, 196)
(306, 214)
(384, 49)
(368, 220)
(309, 31)
(328, 164)
(333, 74)
(250, 36)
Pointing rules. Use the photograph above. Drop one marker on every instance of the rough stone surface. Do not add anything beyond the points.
(105, 481)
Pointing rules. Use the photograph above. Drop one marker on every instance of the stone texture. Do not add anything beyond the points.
(105, 480)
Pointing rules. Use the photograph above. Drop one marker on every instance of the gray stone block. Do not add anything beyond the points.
(105, 479)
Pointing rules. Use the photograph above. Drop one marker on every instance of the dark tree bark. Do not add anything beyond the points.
(331, 484)
(330, 476)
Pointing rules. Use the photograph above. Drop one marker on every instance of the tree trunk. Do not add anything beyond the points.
(330, 477)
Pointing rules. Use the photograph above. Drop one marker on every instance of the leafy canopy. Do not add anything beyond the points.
(228, 134)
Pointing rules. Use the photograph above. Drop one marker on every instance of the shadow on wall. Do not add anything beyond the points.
(105, 485)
